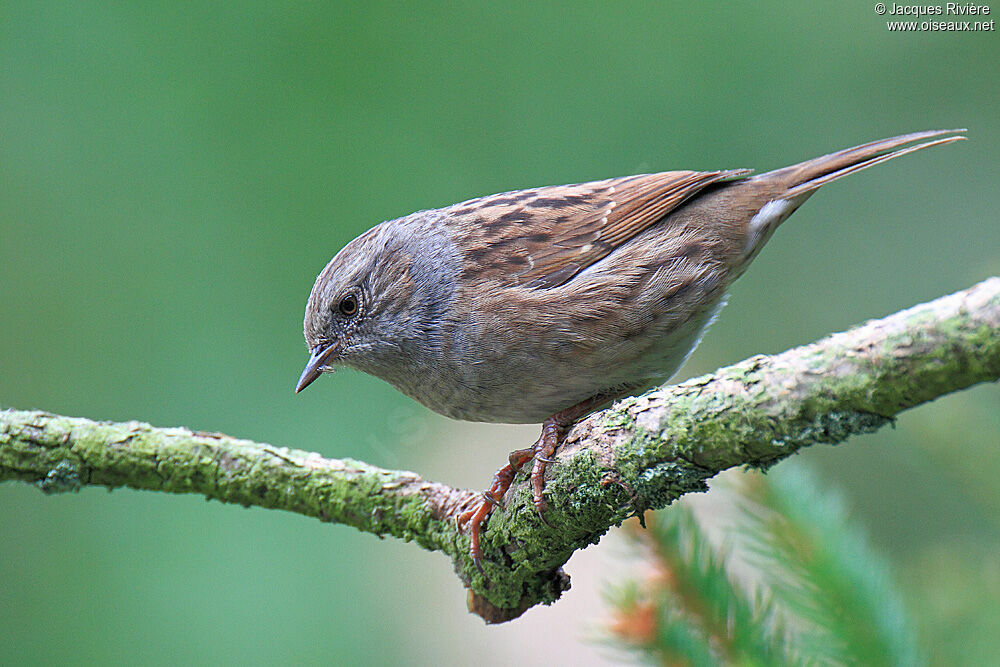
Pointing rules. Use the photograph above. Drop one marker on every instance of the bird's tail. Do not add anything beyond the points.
(805, 177)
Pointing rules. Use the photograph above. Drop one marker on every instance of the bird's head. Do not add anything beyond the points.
(377, 301)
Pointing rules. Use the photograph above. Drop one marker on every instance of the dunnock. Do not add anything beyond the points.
(541, 305)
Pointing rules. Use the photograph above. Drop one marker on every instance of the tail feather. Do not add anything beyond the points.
(810, 175)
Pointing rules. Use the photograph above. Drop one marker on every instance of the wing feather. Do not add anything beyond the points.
(542, 237)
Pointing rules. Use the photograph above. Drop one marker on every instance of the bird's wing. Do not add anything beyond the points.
(542, 237)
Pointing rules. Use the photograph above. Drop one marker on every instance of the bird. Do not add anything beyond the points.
(544, 304)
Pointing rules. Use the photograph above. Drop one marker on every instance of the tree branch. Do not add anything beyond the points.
(642, 453)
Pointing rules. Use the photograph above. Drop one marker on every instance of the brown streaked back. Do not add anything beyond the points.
(542, 237)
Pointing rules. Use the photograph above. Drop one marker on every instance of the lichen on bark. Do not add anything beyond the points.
(642, 453)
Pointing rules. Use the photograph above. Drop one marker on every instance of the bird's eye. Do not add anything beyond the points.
(348, 305)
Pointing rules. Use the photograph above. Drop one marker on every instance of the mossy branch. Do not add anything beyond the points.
(642, 453)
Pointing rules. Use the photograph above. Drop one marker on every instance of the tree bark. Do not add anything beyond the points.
(642, 453)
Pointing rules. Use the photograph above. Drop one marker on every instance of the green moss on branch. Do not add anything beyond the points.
(642, 453)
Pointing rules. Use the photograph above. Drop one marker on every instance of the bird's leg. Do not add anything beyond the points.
(502, 480)
(553, 430)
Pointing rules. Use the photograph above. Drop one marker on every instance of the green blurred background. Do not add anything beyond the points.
(172, 178)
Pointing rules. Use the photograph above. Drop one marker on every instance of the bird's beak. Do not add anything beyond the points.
(320, 355)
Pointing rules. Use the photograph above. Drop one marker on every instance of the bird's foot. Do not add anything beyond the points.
(554, 430)
(474, 518)
(542, 451)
